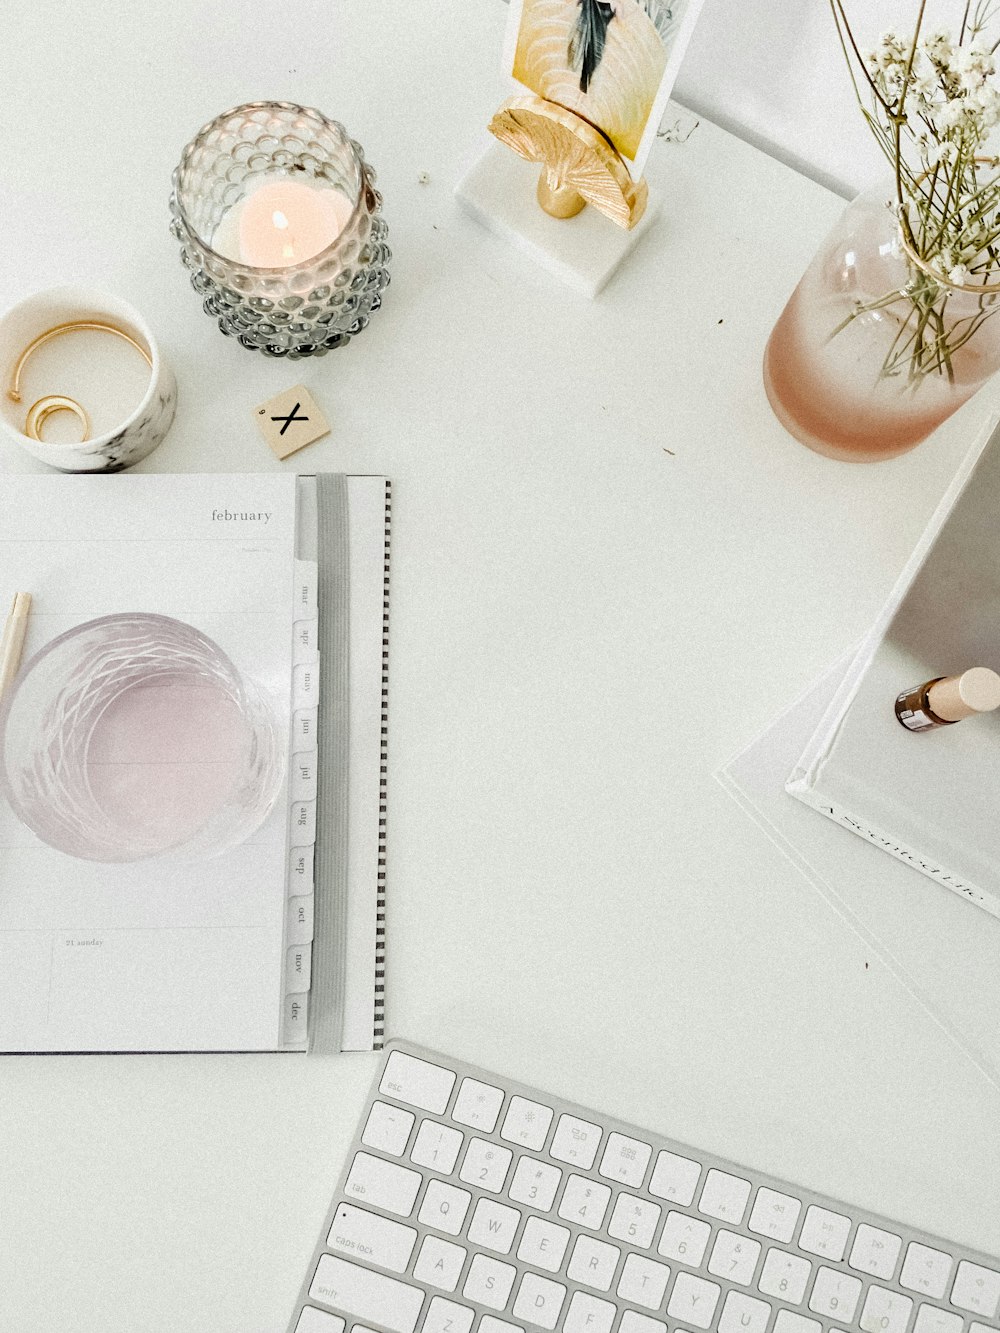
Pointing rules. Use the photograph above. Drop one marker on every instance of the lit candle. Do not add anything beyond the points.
(282, 223)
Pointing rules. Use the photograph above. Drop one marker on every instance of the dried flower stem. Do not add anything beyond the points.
(932, 104)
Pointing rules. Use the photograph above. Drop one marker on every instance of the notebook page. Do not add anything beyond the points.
(162, 953)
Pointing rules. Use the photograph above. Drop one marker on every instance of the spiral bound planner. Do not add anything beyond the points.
(193, 764)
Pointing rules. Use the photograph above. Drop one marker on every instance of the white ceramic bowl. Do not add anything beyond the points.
(128, 441)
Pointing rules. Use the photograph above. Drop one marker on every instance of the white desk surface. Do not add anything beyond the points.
(584, 626)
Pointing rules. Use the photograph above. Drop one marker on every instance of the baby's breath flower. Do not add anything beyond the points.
(939, 154)
(950, 116)
(935, 103)
(987, 102)
(924, 79)
(972, 66)
(890, 51)
(937, 45)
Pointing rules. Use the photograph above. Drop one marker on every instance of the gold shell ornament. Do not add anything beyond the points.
(579, 165)
(621, 93)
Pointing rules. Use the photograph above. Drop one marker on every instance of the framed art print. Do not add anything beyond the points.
(613, 62)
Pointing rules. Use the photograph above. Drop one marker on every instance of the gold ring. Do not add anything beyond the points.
(46, 407)
(40, 412)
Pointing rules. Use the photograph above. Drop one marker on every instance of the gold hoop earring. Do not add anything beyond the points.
(40, 411)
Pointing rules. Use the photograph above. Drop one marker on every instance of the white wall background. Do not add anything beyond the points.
(772, 71)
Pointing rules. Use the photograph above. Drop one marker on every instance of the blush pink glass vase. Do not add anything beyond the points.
(851, 387)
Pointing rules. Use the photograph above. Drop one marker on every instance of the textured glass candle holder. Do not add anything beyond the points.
(307, 308)
(134, 735)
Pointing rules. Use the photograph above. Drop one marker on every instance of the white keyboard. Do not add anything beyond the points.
(471, 1205)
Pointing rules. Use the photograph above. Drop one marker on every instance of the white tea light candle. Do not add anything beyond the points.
(282, 223)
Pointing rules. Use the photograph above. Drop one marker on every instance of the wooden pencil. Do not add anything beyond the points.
(12, 642)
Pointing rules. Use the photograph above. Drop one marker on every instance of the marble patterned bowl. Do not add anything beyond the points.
(132, 439)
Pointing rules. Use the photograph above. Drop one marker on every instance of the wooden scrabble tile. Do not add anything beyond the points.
(291, 420)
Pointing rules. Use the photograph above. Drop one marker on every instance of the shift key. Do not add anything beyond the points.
(366, 1295)
(382, 1184)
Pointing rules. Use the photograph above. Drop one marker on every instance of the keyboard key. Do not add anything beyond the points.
(436, 1147)
(825, 1233)
(634, 1220)
(447, 1317)
(980, 1328)
(693, 1300)
(633, 1322)
(784, 1276)
(643, 1281)
(885, 1311)
(587, 1314)
(584, 1202)
(835, 1295)
(363, 1235)
(734, 1258)
(526, 1123)
(743, 1314)
(875, 1251)
(490, 1324)
(787, 1321)
(387, 1129)
(674, 1178)
(539, 1300)
(535, 1183)
(684, 1238)
(575, 1141)
(593, 1263)
(477, 1105)
(489, 1282)
(925, 1270)
(486, 1165)
(363, 1294)
(543, 1244)
(774, 1215)
(724, 1196)
(444, 1207)
(407, 1079)
(625, 1160)
(931, 1319)
(493, 1226)
(312, 1320)
(383, 1184)
(976, 1289)
(439, 1263)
